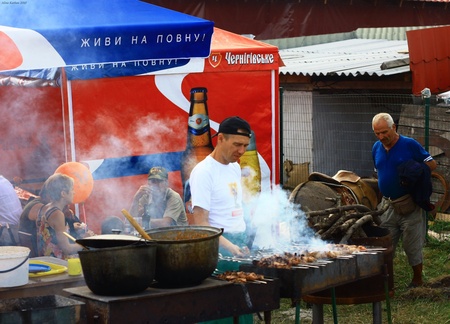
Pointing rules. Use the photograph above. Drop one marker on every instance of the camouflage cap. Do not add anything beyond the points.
(158, 173)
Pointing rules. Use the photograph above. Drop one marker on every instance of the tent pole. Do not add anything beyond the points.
(275, 144)
(63, 87)
(281, 136)
(71, 125)
(426, 94)
(67, 100)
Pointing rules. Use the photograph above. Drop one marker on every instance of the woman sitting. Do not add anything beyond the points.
(51, 223)
(27, 222)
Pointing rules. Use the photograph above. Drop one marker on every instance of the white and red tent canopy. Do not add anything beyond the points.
(45, 34)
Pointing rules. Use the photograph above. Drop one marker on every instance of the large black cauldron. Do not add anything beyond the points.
(120, 270)
(186, 255)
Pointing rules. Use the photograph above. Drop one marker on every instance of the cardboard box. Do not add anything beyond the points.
(295, 173)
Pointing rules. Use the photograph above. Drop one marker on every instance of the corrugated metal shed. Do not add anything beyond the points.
(387, 33)
(290, 42)
(351, 57)
(361, 52)
(430, 59)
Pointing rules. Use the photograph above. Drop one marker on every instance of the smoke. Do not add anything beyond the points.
(280, 224)
(152, 129)
(28, 133)
(148, 133)
(122, 160)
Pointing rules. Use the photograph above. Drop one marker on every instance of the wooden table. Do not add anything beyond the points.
(212, 299)
(45, 285)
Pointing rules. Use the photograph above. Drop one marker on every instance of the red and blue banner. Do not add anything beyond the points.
(38, 34)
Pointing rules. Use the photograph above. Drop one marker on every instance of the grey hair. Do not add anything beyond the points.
(388, 118)
(55, 184)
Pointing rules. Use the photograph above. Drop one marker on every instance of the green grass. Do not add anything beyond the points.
(439, 226)
(407, 307)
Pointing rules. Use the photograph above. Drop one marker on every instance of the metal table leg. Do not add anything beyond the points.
(333, 299)
(376, 313)
(317, 314)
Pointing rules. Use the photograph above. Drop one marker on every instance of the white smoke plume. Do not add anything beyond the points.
(280, 224)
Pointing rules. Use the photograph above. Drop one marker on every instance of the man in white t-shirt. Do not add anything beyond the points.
(216, 187)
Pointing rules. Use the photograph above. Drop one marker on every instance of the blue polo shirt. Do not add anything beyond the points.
(387, 162)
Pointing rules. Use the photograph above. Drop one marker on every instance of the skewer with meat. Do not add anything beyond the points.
(240, 276)
(289, 260)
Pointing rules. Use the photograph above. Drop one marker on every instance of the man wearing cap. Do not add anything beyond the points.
(157, 204)
(217, 195)
(216, 187)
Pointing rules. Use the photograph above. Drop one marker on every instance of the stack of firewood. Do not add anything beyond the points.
(342, 223)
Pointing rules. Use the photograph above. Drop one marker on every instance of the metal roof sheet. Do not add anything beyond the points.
(430, 59)
(331, 54)
(351, 57)
(387, 33)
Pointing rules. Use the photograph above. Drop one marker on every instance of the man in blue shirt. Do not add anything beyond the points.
(389, 152)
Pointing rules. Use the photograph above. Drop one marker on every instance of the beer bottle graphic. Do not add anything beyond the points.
(199, 144)
(251, 171)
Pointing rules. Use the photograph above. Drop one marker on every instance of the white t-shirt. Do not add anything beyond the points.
(216, 187)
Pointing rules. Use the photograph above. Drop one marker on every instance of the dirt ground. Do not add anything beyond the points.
(436, 289)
